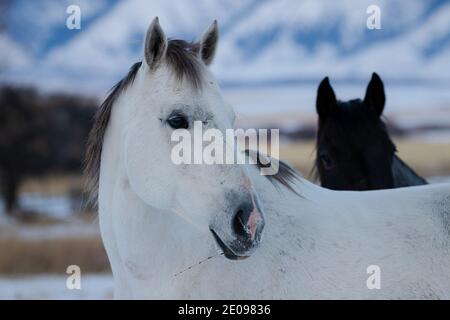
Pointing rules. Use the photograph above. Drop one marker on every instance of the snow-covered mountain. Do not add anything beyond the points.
(262, 41)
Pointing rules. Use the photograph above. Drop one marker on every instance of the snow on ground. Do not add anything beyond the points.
(438, 179)
(93, 286)
(55, 206)
(68, 229)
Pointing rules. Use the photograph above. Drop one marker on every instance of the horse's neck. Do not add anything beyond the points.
(403, 175)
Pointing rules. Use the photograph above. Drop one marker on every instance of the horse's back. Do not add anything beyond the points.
(405, 232)
(408, 232)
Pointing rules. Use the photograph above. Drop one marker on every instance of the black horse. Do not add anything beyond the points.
(354, 150)
(40, 135)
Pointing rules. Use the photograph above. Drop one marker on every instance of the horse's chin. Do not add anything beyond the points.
(227, 252)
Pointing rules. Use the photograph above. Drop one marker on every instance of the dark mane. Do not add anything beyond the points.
(97, 133)
(286, 175)
(182, 57)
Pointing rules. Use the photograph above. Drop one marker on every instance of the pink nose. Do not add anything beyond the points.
(247, 221)
(253, 222)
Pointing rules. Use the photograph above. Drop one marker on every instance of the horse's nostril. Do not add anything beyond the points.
(239, 223)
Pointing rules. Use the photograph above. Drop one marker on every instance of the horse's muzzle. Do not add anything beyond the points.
(246, 231)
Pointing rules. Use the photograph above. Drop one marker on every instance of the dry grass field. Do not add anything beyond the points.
(427, 159)
(55, 185)
(22, 256)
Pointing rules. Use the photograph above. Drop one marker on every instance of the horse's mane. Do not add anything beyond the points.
(182, 57)
(97, 133)
(285, 176)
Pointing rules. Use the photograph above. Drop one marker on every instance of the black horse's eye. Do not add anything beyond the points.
(178, 121)
(326, 161)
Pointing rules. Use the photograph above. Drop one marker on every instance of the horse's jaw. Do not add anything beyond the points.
(148, 248)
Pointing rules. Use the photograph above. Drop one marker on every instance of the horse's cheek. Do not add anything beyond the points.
(147, 175)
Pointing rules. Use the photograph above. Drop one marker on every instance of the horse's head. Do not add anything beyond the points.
(173, 89)
(354, 151)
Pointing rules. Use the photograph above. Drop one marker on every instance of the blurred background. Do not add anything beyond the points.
(272, 55)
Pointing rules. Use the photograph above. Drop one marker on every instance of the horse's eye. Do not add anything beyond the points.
(326, 161)
(178, 121)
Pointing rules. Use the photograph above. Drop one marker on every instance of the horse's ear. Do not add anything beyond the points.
(375, 97)
(326, 99)
(208, 43)
(155, 44)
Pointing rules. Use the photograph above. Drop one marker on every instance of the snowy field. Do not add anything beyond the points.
(439, 179)
(93, 286)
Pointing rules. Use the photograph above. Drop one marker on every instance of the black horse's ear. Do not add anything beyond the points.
(326, 99)
(155, 45)
(375, 97)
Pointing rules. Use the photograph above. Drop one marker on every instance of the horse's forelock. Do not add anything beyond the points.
(183, 58)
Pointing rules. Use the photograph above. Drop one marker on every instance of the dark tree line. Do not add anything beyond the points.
(39, 135)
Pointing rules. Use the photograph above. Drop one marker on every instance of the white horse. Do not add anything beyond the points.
(225, 231)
